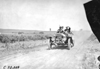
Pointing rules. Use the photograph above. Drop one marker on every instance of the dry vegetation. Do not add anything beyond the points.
(21, 41)
(89, 60)
(11, 38)
(91, 47)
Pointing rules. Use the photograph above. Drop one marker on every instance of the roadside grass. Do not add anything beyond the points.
(21, 40)
(14, 43)
(89, 60)
(11, 38)
(22, 47)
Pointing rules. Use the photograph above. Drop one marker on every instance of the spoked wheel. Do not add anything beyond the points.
(72, 43)
(50, 45)
(69, 44)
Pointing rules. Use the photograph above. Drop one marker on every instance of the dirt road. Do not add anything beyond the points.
(50, 59)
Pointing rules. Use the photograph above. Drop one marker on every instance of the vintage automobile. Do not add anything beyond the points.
(60, 40)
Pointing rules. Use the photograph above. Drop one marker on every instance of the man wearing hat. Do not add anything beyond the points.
(68, 34)
(60, 30)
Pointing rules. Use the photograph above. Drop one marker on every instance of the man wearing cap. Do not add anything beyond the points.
(68, 34)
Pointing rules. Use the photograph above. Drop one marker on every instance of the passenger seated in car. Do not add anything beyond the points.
(68, 34)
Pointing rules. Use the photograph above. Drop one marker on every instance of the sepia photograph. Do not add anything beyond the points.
(49, 34)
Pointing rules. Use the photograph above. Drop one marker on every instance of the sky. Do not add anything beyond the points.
(43, 14)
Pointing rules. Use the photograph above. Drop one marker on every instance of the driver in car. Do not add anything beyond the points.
(60, 30)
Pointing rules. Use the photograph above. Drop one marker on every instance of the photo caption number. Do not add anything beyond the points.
(11, 67)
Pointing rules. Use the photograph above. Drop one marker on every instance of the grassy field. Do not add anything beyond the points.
(13, 41)
(84, 54)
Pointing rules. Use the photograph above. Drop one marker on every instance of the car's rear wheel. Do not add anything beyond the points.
(69, 44)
